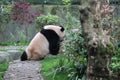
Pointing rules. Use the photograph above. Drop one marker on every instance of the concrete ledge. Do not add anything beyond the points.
(23, 70)
(9, 55)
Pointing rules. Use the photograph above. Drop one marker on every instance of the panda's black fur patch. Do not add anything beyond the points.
(62, 29)
(24, 56)
(53, 39)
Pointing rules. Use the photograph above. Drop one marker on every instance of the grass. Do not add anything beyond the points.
(50, 69)
(3, 50)
(3, 68)
(13, 43)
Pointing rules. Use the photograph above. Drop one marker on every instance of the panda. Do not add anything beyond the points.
(44, 42)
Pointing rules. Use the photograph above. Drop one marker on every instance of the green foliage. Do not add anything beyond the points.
(5, 11)
(76, 53)
(53, 2)
(49, 70)
(46, 19)
(66, 2)
(45, 1)
(115, 65)
(3, 68)
(13, 43)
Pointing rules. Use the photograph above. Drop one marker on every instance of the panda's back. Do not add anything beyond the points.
(38, 45)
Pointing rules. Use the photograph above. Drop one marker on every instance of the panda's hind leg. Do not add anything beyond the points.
(24, 56)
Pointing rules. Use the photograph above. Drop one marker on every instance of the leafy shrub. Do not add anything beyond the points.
(46, 19)
(75, 51)
(76, 54)
(115, 65)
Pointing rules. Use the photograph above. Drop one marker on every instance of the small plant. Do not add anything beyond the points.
(46, 19)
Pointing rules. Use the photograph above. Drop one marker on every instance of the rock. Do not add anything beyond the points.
(9, 55)
(15, 54)
(23, 70)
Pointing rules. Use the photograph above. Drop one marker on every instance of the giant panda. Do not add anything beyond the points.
(46, 41)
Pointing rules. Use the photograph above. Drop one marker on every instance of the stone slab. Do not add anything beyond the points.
(23, 70)
(9, 55)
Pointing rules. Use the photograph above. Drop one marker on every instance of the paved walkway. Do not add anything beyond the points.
(23, 70)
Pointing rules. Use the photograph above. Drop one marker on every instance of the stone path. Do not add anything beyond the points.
(23, 70)
(19, 70)
(12, 47)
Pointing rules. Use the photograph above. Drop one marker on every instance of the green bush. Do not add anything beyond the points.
(46, 20)
(76, 53)
(115, 65)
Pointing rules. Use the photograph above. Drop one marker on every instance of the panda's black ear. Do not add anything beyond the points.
(62, 29)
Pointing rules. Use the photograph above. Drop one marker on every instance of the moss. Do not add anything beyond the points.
(109, 49)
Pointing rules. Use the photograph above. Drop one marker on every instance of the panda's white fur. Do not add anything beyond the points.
(39, 45)
(35, 50)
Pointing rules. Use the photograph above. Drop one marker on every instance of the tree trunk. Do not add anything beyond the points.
(99, 42)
